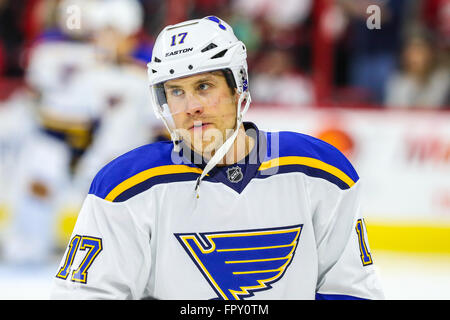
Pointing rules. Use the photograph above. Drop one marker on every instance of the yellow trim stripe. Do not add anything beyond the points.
(259, 271)
(256, 260)
(310, 162)
(147, 174)
(255, 248)
(412, 238)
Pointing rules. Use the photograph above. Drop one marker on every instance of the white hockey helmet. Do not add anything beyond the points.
(124, 16)
(193, 47)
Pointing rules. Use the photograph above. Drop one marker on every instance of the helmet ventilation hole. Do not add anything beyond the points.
(209, 47)
(220, 54)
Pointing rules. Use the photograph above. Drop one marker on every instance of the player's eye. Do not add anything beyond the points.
(176, 92)
(203, 86)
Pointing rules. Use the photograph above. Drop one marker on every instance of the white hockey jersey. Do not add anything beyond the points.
(284, 224)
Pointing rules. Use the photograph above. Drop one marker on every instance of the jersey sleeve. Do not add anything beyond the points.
(346, 269)
(108, 255)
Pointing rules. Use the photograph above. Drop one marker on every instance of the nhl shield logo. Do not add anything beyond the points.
(234, 174)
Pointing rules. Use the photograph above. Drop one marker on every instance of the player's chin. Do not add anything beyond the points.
(206, 134)
(206, 148)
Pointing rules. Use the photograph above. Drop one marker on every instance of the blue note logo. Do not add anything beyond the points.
(237, 264)
(217, 20)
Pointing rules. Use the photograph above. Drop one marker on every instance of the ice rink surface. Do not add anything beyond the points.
(404, 277)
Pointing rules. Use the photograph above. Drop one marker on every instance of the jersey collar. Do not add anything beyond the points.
(238, 175)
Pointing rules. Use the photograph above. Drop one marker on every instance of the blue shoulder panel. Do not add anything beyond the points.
(291, 151)
(136, 171)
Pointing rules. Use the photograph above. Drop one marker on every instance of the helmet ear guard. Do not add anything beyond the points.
(161, 94)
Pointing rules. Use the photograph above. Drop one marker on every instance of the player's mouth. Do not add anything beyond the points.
(200, 126)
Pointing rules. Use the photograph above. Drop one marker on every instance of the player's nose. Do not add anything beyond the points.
(193, 105)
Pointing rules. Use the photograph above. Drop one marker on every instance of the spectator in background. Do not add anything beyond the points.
(435, 14)
(277, 80)
(264, 23)
(250, 31)
(421, 81)
(372, 52)
(273, 32)
(282, 14)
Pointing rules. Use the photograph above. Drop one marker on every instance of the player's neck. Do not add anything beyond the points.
(241, 147)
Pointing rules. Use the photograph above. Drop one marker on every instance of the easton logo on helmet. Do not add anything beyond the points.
(168, 54)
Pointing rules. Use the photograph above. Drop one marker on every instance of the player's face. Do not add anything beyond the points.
(203, 108)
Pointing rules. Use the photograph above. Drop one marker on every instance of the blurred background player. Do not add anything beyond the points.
(115, 85)
(90, 100)
(62, 131)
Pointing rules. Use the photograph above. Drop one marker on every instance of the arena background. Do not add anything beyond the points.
(369, 76)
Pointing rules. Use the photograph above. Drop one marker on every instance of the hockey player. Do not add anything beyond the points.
(61, 131)
(224, 210)
(90, 93)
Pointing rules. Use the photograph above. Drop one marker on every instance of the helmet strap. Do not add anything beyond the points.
(222, 151)
(174, 136)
